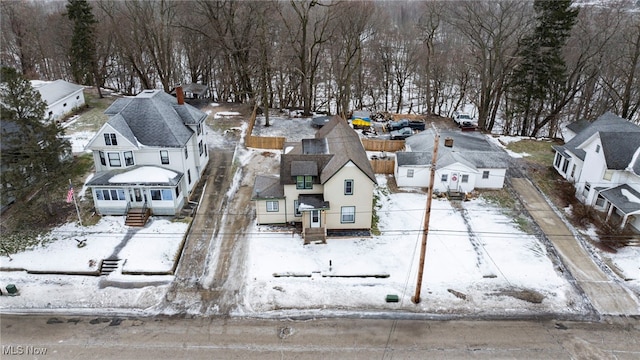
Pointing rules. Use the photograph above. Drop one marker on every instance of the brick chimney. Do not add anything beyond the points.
(180, 95)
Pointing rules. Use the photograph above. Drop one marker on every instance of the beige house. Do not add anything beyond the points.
(326, 184)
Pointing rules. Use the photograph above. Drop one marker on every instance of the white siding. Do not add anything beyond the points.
(362, 198)
(420, 176)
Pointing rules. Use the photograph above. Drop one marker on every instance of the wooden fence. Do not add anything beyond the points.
(383, 145)
(383, 166)
(262, 142)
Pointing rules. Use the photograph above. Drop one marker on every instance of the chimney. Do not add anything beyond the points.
(180, 95)
(448, 142)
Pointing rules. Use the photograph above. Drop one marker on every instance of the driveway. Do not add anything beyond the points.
(606, 295)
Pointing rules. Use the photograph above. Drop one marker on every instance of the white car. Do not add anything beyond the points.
(460, 118)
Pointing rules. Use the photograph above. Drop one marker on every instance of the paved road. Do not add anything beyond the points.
(217, 338)
(607, 296)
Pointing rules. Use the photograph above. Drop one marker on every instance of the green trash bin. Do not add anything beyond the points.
(392, 298)
(11, 289)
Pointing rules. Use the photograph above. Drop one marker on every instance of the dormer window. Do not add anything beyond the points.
(110, 139)
(304, 182)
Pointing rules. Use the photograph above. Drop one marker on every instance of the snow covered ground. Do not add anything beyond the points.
(478, 262)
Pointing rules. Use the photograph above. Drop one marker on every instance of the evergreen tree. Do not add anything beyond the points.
(34, 153)
(82, 54)
(539, 82)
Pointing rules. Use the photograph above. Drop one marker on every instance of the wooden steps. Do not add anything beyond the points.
(455, 195)
(137, 217)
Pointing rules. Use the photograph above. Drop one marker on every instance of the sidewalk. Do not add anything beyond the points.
(607, 296)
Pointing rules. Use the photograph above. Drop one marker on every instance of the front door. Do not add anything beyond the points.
(315, 218)
(138, 197)
(453, 183)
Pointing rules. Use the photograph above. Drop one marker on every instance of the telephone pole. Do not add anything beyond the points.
(423, 249)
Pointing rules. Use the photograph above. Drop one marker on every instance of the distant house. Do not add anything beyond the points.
(325, 183)
(148, 156)
(193, 91)
(62, 97)
(603, 162)
(466, 161)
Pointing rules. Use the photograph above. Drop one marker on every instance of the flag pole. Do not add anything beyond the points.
(75, 202)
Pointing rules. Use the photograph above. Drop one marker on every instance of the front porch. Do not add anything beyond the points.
(314, 218)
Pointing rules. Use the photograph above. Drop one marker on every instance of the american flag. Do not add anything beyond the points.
(70, 194)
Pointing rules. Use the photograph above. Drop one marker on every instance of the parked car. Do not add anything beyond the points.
(397, 125)
(460, 117)
(319, 121)
(402, 133)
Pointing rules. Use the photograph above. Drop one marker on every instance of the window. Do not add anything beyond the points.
(114, 159)
(110, 139)
(200, 148)
(186, 153)
(485, 174)
(348, 214)
(103, 160)
(178, 190)
(161, 194)
(296, 211)
(199, 129)
(110, 194)
(573, 170)
(348, 187)
(600, 201)
(444, 177)
(128, 158)
(164, 157)
(565, 166)
(272, 206)
(558, 160)
(585, 191)
(597, 148)
(608, 174)
(189, 175)
(465, 178)
(409, 173)
(304, 182)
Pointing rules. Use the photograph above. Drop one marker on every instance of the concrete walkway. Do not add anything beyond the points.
(607, 296)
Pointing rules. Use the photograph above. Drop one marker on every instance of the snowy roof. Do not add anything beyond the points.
(155, 118)
(622, 132)
(137, 175)
(52, 92)
(312, 202)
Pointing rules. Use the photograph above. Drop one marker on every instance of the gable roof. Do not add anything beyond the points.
(154, 118)
(334, 145)
(578, 126)
(618, 133)
(52, 92)
(470, 149)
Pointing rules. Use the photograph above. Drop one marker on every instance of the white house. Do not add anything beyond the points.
(603, 162)
(149, 155)
(62, 97)
(326, 184)
(466, 161)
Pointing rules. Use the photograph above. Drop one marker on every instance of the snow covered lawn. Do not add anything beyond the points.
(477, 262)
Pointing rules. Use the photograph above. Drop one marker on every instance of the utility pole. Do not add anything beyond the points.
(423, 249)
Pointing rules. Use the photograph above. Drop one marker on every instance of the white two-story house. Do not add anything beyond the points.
(603, 162)
(325, 183)
(149, 155)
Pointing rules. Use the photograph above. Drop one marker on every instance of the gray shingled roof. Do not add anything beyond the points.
(57, 90)
(267, 187)
(617, 197)
(154, 118)
(304, 168)
(606, 123)
(618, 148)
(471, 149)
(578, 126)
